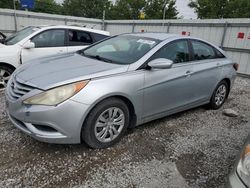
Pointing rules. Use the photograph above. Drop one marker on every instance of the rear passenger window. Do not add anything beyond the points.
(99, 37)
(79, 38)
(203, 51)
(176, 51)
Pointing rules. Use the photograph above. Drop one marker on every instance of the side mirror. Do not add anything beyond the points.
(29, 45)
(161, 63)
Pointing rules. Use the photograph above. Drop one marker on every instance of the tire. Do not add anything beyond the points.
(99, 122)
(219, 97)
(5, 73)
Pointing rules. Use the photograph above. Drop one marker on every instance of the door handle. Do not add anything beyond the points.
(188, 73)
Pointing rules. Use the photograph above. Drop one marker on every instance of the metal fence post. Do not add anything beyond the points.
(169, 23)
(224, 35)
(103, 20)
(65, 21)
(133, 27)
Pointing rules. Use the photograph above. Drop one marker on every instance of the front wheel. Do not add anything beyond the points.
(219, 95)
(5, 73)
(106, 123)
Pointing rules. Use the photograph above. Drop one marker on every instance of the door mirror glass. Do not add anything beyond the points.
(29, 45)
(160, 63)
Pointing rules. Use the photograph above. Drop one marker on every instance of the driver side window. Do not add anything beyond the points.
(50, 38)
(176, 51)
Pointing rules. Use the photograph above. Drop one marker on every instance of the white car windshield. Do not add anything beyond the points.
(125, 49)
(20, 35)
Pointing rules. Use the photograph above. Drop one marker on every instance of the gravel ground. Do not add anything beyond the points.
(196, 148)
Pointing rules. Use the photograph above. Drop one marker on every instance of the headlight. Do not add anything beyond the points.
(57, 95)
(243, 167)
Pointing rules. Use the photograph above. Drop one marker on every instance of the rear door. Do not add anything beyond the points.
(77, 40)
(207, 68)
(47, 43)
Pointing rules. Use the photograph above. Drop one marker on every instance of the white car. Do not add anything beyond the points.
(42, 41)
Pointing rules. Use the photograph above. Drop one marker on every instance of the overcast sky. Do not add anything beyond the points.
(185, 10)
(182, 6)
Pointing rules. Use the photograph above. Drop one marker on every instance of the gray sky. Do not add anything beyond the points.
(182, 6)
(185, 10)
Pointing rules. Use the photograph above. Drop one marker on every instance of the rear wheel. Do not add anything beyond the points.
(219, 96)
(106, 123)
(5, 73)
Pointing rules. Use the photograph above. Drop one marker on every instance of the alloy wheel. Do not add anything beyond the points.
(4, 78)
(109, 124)
(220, 95)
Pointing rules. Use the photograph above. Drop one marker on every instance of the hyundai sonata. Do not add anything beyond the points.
(95, 94)
(240, 176)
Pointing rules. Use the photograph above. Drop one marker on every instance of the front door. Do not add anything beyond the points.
(47, 43)
(168, 89)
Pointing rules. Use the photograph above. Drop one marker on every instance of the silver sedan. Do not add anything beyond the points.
(240, 176)
(94, 95)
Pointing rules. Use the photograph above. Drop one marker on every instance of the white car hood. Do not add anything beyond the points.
(6, 50)
(10, 54)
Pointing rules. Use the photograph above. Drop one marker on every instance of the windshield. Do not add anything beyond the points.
(20, 35)
(125, 49)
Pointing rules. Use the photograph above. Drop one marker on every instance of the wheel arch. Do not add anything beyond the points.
(8, 65)
(125, 99)
(228, 81)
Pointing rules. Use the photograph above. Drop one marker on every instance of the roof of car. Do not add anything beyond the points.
(76, 27)
(155, 35)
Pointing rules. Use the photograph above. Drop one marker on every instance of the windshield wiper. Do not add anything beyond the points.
(97, 57)
(103, 59)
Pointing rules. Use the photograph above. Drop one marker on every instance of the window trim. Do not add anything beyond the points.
(51, 30)
(83, 44)
(145, 64)
(214, 50)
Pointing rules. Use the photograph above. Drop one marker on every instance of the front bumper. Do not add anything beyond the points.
(59, 124)
(234, 181)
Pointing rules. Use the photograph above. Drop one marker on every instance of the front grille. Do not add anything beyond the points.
(18, 89)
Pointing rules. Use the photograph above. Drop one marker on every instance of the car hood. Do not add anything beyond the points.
(8, 50)
(50, 72)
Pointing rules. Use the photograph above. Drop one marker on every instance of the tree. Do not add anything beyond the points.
(126, 9)
(8, 4)
(47, 6)
(210, 8)
(221, 8)
(239, 9)
(154, 9)
(86, 8)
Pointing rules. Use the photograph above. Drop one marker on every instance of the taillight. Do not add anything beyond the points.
(236, 66)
